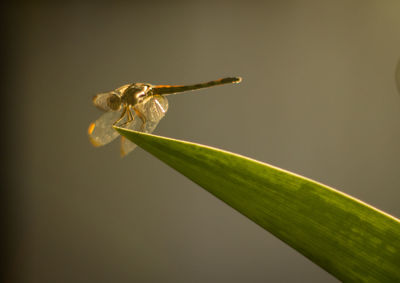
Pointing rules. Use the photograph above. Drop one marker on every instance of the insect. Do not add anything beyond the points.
(137, 106)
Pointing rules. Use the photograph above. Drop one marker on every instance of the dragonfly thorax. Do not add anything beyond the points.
(135, 93)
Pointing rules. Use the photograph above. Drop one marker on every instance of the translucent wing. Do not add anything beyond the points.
(153, 109)
(101, 100)
(101, 131)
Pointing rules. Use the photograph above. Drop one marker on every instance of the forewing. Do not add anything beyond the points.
(153, 109)
(101, 131)
(101, 100)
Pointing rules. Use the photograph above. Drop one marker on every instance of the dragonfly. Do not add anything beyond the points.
(138, 107)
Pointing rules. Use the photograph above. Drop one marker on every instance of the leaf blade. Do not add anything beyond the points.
(348, 238)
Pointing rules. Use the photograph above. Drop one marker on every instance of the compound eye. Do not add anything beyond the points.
(114, 102)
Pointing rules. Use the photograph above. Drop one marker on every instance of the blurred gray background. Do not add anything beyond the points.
(318, 97)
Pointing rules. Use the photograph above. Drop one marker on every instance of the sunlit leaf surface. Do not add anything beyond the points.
(348, 238)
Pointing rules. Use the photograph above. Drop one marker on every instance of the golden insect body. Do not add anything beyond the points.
(138, 107)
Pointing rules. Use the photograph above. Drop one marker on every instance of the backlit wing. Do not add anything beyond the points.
(153, 109)
(101, 100)
(101, 131)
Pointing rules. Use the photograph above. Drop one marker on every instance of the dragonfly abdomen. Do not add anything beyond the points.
(171, 89)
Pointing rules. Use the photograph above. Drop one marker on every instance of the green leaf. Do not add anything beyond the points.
(348, 238)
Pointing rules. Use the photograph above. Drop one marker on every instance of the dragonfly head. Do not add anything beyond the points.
(107, 101)
(114, 101)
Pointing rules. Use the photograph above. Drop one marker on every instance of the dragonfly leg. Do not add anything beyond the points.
(120, 118)
(128, 112)
(142, 117)
(130, 116)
